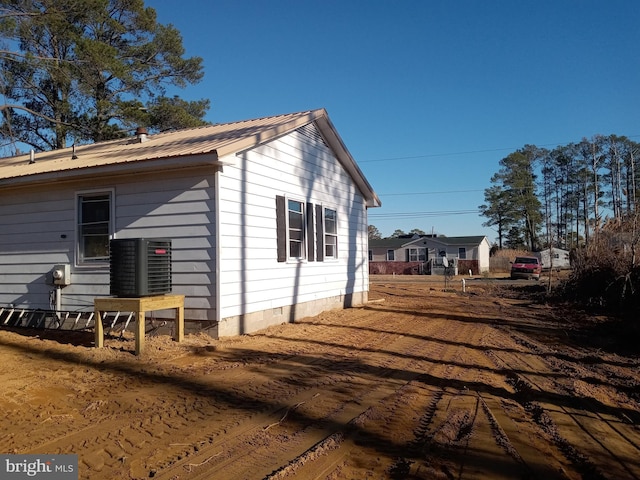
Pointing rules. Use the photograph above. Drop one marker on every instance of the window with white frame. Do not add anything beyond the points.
(95, 227)
(462, 253)
(305, 231)
(417, 254)
(391, 255)
(296, 225)
(330, 233)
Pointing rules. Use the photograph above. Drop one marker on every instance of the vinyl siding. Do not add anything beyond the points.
(179, 206)
(301, 167)
(31, 244)
(39, 231)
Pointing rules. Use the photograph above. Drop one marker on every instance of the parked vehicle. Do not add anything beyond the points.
(526, 267)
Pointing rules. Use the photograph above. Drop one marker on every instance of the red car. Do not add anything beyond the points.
(526, 267)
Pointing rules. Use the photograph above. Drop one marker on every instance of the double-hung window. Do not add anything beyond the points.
(417, 254)
(305, 231)
(462, 253)
(296, 229)
(94, 227)
(330, 233)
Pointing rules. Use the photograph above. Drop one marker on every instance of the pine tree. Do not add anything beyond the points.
(91, 71)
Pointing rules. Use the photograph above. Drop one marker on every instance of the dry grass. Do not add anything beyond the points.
(500, 261)
(607, 272)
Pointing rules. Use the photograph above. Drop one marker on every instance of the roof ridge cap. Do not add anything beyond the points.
(290, 114)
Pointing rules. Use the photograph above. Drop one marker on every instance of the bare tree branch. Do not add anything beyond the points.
(36, 114)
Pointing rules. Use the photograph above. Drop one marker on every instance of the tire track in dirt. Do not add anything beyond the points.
(368, 429)
(148, 433)
(300, 439)
(443, 425)
(428, 384)
(234, 422)
(458, 428)
(593, 402)
(147, 444)
(403, 368)
(226, 428)
(451, 423)
(458, 435)
(552, 402)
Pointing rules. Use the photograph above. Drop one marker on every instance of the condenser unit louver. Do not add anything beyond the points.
(139, 267)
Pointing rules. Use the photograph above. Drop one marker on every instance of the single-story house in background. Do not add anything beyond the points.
(267, 219)
(422, 254)
(554, 258)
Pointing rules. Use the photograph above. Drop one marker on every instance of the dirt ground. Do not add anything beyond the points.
(422, 383)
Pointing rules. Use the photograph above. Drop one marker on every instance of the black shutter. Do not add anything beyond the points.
(310, 235)
(319, 233)
(281, 228)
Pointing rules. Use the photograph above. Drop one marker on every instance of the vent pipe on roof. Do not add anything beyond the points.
(73, 152)
(141, 134)
(32, 156)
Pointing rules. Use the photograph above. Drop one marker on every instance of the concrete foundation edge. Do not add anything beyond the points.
(254, 321)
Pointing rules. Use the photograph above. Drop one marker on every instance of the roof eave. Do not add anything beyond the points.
(135, 166)
(443, 241)
(248, 142)
(329, 133)
(331, 136)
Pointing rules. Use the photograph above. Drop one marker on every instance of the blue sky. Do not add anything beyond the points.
(428, 95)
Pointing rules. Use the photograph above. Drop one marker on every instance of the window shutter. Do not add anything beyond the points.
(310, 235)
(281, 228)
(319, 233)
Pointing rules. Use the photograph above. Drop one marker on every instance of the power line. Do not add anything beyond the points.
(433, 155)
(450, 154)
(408, 215)
(428, 193)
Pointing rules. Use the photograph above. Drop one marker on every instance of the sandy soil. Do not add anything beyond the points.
(421, 383)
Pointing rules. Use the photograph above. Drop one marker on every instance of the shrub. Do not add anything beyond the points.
(607, 272)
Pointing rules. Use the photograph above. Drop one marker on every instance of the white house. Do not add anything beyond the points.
(424, 253)
(267, 218)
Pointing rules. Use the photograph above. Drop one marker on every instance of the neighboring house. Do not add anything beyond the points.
(554, 258)
(422, 254)
(267, 218)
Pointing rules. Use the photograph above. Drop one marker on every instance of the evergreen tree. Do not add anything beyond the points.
(581, 186)
(515, 196)
(498, 210)
(91, 71)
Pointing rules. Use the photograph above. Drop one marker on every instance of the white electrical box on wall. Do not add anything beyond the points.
(61, 274)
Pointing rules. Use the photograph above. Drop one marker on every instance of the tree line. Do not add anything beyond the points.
(85, 71)
(374, 233)
(561, 197)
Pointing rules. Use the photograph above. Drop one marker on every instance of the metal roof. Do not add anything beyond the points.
(194, 146)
